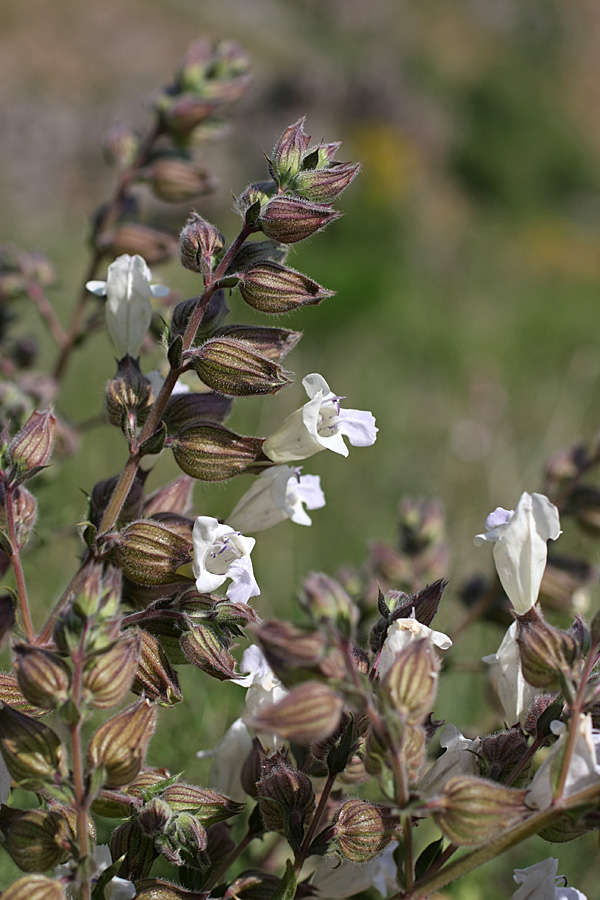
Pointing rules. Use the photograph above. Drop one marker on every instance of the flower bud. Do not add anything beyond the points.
(413, 750)
(289, 220)
(155, 678)
(274, 343)
(310, 712)
(272, 288)
(501, 752)
(411, 682)
(24, 510)
(323, 185)
(200, 244)
(234, 368)
(175, 180)
(214, 453)
(157, 889)
(148, 553)
(176, 496)
(288, 647)
(194, 408)
(254, 252)
(363, 829)
(325, 600)
(35, 839)
(288, 153)
(120, 146)
(180, 115)
(208, 806)
(474, 810)
(33, 753)
(43, 677)
(34, 887)
(253, 199)
(108, 678)
(286, 799)
(423, 605)
(30, 450)
(119, 745)
(10, 693)
(128, 840)
(203, 649)
(550, 658)
(152, 245)
(128, 397)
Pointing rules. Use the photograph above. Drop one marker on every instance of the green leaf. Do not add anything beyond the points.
(286, 889)
(428, 857)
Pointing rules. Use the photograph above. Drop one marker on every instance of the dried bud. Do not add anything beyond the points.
(138, 240)
(203, 648)
(411, 682)
(24, 510)
(43, 677)
(176, 181)
(214, 453)
(155, 678)
(323, 185)
(288, 219)
(128, 397)
(502, 752)
(274, 343)
(286, 799)
(234, 368)
(30, 450)
(550, 658)
(35, 839)
(34, 887)
(119, 745)
(193, 408)
(200, 245)
(129, 841)
(208, 806)
(474, 810)
(362, 829)
(108, 678)
(148, 553)
(325, 600)
(310, 712)
(33, 753)
(423, 605)
(272, 288)
(177, 496)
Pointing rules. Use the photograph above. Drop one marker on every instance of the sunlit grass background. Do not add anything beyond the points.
(467, 267)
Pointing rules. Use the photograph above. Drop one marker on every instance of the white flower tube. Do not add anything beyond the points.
(520, 546)
(221, 553)
(279, 493)
(515, 694)
(228, 758)
(403, 632)
(584, 768)
(460, 758)
(320, 424)
(538, 882)
(128, 310)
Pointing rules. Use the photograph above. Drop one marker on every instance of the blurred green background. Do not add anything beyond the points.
(467, 267)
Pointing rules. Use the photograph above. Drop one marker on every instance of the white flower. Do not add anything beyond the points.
(264, 689)
(515, 694)
(221, 553)
(336, 880)
(403, 632)
(278, 493)
(320, 424)
(116, 889)
(128, 310)
(460, 758)
(520, 549)
(584, 767)
(229, 756)
(538, 882)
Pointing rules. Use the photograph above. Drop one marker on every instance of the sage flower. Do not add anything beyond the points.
(279, 493)
(459, 758)
(584, 766)
(318, 425)
(221, 553)
(515, 694)
(264, 689)
(128, 310)
(519, 537)
(228, 759)
(403, 632)
(539, 882)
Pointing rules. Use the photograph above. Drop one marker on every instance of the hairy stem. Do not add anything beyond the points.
(81, 799)
(23, 601)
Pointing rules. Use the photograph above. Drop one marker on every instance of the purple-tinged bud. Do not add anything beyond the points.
(200, 244)
(203, 649)
(501, 752)
(34, 887)
(423, 605)
(10, 694)
(253, 253)
(214, 314)
(234, 368)
(474, 811)
(214, 453)
(180, 115)
(543, 710)
(325, 600)
(103, 491)
(288, 153)
(413, 751)
(336, 749)
(148, 553)
(157, 889)
(253, 199)
(363, 829)
(287, 801)
(108, 678)
(289, 220)
(30, 450)
(155, 678)
(130, 842)
(33, 753)
(217, 70)
(208, 806)
(323, 185)
(127, 397)
(119, 745)
(388, 565)
(550, 657)
(36, 839)
(287, 647)
(176, 497)
(152, 245)
(155, 817)
(411, 682)
(120, 146)
(310, 712)
(252, 769)
(274, 343)
(271, 288)
(43, 677)
(193, 408)
(176, 181)
(24, 509)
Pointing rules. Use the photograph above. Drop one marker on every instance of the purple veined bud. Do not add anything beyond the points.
(175, 180)
(179, 115)
(31, 449)
(138, 240)
(500, 753)
(109, 677)
(203, 649)
(271, 288)
(214, 453)
(290, 219)
(288, 647)
(24, 513)
(103, 490)
(273, 343)
(195, 407)
(33, 753)
(286, 800)
(363, 829)
(324, 185)
(10, 693)
(234, 368)
(310, 712)
(288, 153)
(208, 806)
(474, 811)
(155, 678)
(214, 314)
(550, 657)
(422, 605)
(36, 839)
(177, 496)
(127, 397)
(325, 600)
(34, 887)
(220, 70)
(44, 678)
(253, 199)
(200, 244)
(138, 850)
(119, 745)
(252, 253)
(149, 553)
(411, 682)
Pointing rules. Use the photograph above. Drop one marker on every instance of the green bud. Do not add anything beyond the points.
(34, 887)
(286, 800)
(203, 649)
(33, 753)
(550, 658)
(148, 553)
(288, 153)
(214, 453)
(10, 693)
(128, 397)
(194, 408)
(323, 185)
(119, 745)
(31, 449)
(473, 810)
(155, 678)
(108, 677)
(411, 682)
(200, 245)
(234, 368)
(310, 712)
(362, 829)
(36, 839)
(289, 219)
(129, 841)
(208, 806)
(252, 200)
(272, 288)
(43, 677)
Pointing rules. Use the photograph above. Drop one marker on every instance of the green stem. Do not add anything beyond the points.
(312, 828)
(81, 799)
(23, 601)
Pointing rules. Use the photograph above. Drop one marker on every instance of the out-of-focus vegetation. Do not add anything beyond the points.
(467, 265)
